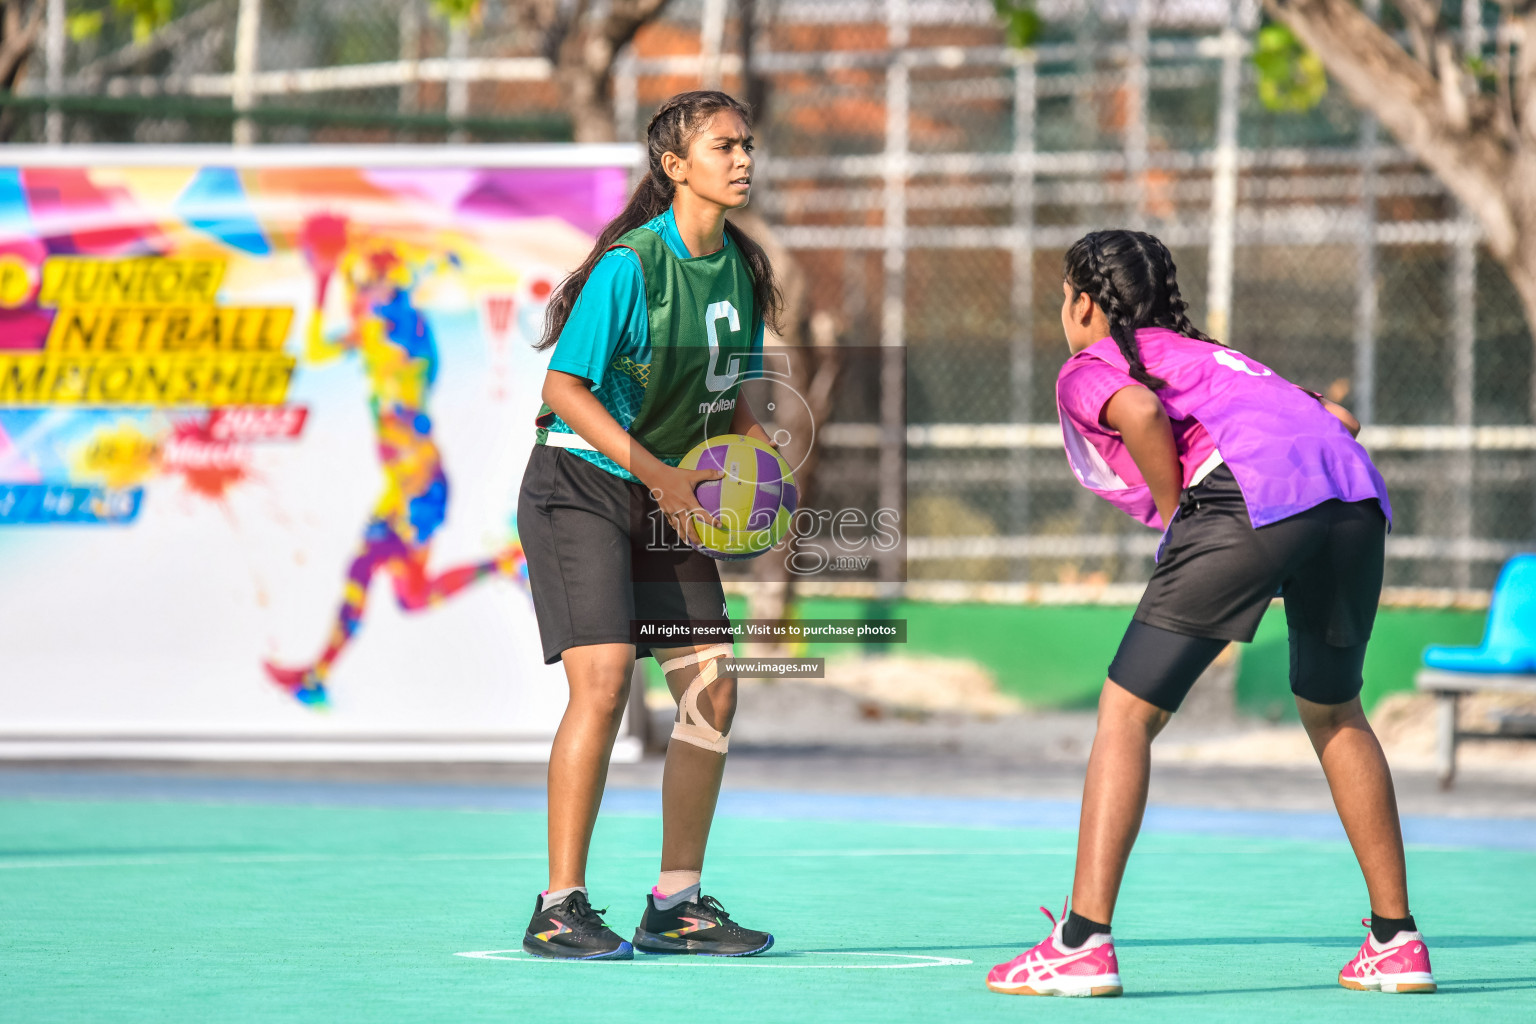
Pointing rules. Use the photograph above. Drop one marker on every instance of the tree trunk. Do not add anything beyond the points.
(584, 63)
(589, 103)
(584, 71)
(20, 25)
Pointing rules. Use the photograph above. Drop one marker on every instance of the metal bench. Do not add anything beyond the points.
(1448, 688)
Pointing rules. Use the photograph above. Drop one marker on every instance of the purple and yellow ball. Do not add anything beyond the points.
(753, 502)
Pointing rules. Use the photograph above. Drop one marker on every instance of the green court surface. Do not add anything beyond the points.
(155, 907)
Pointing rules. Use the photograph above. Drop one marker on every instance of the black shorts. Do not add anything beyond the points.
(600, 555)
(1218, 574)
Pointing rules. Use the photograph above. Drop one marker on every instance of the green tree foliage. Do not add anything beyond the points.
(457, 10)
(85, 21)
(1020, 21)
(1290, 76)
(83, 25)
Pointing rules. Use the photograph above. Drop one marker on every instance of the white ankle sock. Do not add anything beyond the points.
(675, 887)
(676, 899)
(549, 899)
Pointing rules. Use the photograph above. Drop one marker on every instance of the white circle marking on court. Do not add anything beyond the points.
(910, 960)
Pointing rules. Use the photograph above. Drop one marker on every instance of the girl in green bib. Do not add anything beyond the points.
(653, 335)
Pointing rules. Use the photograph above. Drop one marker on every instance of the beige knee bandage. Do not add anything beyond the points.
(691, 726)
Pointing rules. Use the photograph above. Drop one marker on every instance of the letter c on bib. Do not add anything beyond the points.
(721, 310)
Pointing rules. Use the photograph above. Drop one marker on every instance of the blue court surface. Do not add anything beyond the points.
(143, 898)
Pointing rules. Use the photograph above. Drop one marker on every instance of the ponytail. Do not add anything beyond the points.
(671, 130)
(765, 288)
(1130, 275)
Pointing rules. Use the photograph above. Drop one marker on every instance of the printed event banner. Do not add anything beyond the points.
(263, 418)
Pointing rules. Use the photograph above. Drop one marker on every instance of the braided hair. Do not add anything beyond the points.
(672, 129)
(1130, 276)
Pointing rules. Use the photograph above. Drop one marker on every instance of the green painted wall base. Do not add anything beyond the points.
(1397, 645)
(1056, 655)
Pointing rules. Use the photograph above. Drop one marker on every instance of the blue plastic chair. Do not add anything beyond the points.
(1509, 638)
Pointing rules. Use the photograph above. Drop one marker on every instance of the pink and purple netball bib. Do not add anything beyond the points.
(1286, 451)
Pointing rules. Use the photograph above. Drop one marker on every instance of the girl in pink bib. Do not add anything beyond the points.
(1259, 488)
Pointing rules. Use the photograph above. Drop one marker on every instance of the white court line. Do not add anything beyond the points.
(253, 858)
(757, 963)
(131, 861)
(162, 860)
(776, 854)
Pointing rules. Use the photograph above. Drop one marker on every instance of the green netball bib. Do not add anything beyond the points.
(702, 315)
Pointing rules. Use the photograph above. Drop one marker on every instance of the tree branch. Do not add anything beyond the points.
(1524, 107)
(1502, 64)
(585, 62)
(1423, 19)
(21, 32)
(1455, 95)
(1468, 153)
(166, 37)
(619, 27)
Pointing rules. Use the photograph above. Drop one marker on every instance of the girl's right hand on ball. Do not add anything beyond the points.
(672, 490)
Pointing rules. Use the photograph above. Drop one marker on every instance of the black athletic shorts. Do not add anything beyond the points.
(601, 554)
(1218, 574)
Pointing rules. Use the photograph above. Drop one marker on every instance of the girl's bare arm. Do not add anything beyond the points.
(1350, 423)
(1143, 425)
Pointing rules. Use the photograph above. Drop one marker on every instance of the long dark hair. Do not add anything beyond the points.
(1131, 276)
(672, 130)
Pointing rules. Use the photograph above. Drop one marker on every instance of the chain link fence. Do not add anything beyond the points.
(927, 178)
(315, 71)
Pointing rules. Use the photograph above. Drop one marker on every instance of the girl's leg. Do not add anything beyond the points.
(1114, 798)
(690, 786)
(1152, 664)
(1362, 790)
(690, 783)
(578, 760)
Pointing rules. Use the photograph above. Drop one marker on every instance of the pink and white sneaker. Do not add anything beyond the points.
(1053, 969)
(1401, 965)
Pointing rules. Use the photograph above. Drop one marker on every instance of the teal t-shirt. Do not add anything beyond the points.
(607, 338)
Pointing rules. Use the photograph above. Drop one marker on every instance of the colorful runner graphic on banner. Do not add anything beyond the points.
(399, 353)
